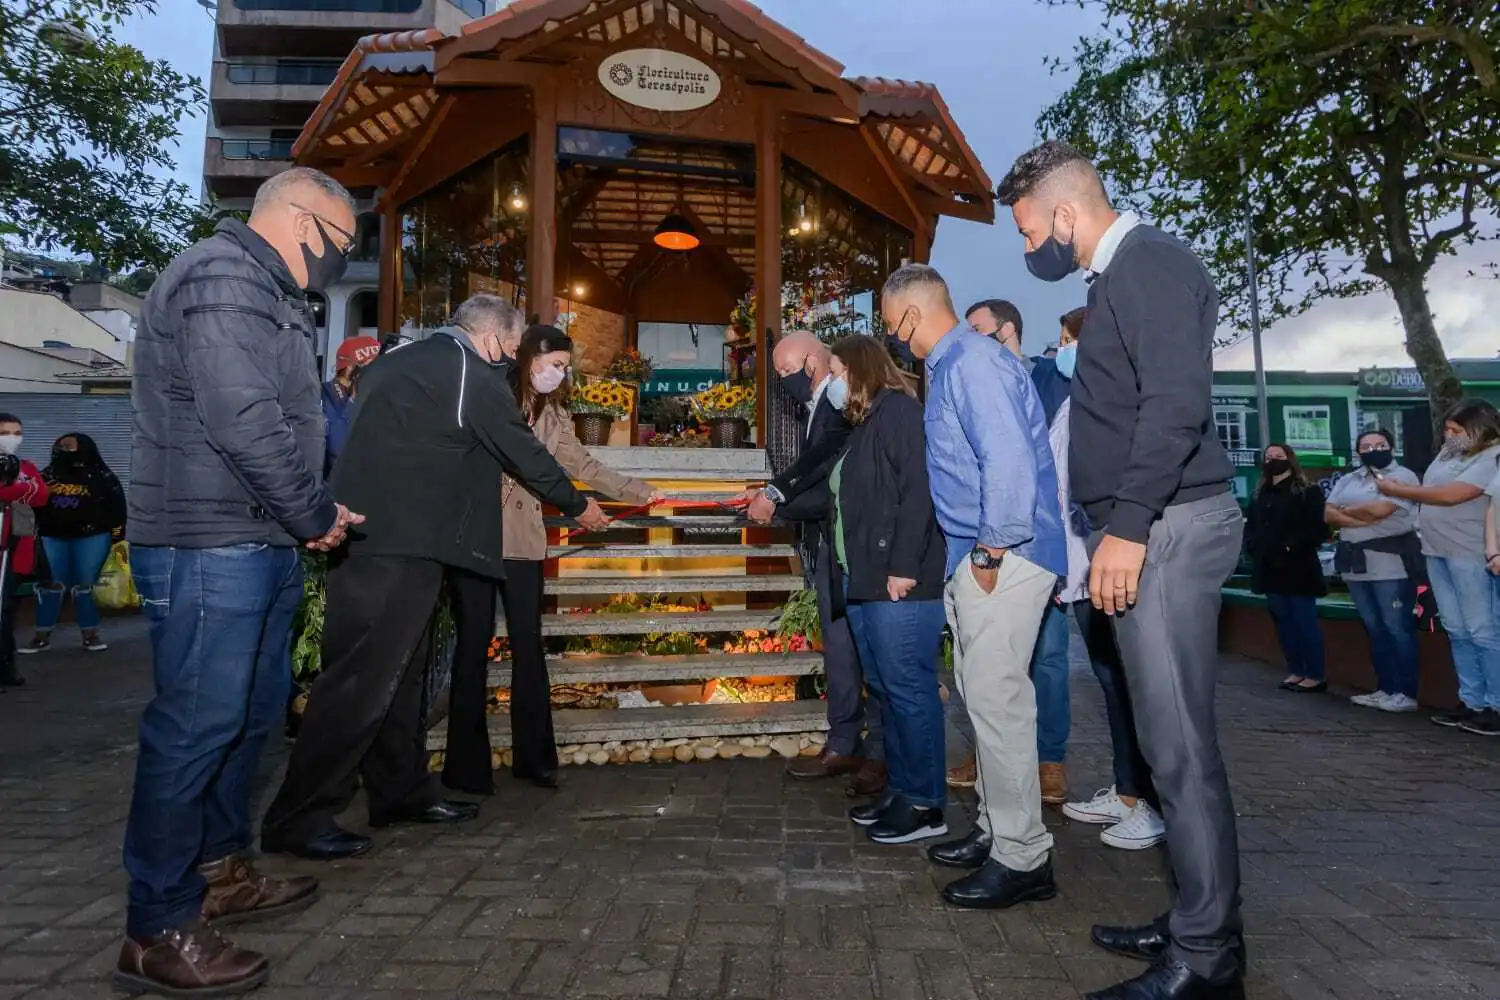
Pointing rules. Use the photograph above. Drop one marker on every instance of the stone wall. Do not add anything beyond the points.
(598, 336)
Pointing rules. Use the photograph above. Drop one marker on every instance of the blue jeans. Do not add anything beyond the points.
(1385, 606)
(1049, 675)
(899, 645)
(1301, 639)
(1466, 599)
(74, 564)
(221, 625)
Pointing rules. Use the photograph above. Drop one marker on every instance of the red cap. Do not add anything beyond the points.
(358, 351)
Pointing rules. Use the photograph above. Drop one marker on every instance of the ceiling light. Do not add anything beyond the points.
(580, 290)
(517, 200)
(676, 233)
(804, 221)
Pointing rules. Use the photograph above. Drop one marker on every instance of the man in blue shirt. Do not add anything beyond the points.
(995, 490)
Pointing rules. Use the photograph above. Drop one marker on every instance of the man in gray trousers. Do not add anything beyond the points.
(1153, 481)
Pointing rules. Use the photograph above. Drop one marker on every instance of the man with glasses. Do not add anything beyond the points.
(227, 472)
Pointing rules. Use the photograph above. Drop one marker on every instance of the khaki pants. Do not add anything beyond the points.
(994, 635)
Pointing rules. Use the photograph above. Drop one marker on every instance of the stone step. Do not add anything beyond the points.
(602, 725)
(587, 551)
(637, 584)
(641, 667)
(719, 522)
(733, 465)
(644, 623)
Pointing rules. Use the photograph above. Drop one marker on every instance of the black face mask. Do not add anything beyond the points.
(1054, 260)
(1277, 466)
(67, 459)
(901, 348)
(1375, 459)
(324, 271)
(799, 385)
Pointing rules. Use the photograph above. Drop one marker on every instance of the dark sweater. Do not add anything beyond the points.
(1142, 432)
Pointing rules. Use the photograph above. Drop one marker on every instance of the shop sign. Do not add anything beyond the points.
(682, 381)
(1245, 459)
(1391, 382)
(1228, 402)
(659, 79)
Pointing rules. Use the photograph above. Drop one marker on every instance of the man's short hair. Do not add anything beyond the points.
(910, 278)
(1003, 311)
(479, 313)
(281, 187)
(1036, 167)
(10, 418)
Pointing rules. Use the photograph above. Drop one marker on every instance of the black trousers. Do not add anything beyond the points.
(8, 582)
(363, 717)
(533, 744)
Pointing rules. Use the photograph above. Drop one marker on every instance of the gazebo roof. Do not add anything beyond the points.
(392, 92)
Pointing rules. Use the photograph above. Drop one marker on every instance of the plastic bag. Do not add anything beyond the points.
(116, 587)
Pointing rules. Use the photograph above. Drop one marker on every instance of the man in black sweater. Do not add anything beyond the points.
(1153, 481)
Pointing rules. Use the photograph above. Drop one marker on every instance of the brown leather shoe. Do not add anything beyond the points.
(965, 775)
(825, 765)
(237, 892)
(868, 780)
(1054, 783)
(192, 962)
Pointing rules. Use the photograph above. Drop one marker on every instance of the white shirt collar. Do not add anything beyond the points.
(1110, 241)
(817, 397)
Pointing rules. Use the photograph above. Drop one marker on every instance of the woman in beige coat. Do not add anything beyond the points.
(540, 378)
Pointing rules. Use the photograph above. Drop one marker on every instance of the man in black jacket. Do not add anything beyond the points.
(800, 494)
(1151, 476)
(227, 484)
(435, 426)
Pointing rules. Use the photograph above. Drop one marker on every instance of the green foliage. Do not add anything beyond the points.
(85, 128)
(1363, 131)
(307, 627)
(799, 616)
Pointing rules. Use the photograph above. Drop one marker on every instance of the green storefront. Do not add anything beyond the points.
(1312, 412)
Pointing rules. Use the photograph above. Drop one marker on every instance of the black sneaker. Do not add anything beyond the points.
(905, 824)
(40, 643)
(1452, 720)
(1486, 723)
(869, 814)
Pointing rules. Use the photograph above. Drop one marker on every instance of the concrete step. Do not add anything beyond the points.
(640, 668)
(735, 465)
(602, 725)
(587, 551)
(718, 522)
(637, 584)
(645, 624)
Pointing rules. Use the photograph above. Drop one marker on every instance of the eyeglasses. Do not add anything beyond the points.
(348, 244)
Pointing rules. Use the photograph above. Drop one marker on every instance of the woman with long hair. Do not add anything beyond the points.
(85, 512)
(1452, 526)
(887, 542)
(541, 378)
(1285, 530)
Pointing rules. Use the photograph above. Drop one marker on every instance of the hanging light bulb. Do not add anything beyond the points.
(804, 221)
(580, 290)
(517, 200)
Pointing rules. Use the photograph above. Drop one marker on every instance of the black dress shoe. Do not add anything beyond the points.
(1171, 980)
(546, 779)
(968, 852)
(903, 823)
(1146, 943)
(437, 813)
(995, 887)
(869, 814)
(332, 846)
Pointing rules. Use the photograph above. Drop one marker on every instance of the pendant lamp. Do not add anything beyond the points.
(676, 233)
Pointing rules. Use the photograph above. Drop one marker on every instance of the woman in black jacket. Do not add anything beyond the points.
(85, 512)
(887, 541)
(1286, 528)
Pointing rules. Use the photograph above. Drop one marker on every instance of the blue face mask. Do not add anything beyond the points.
(838, 392)
(1067, 359)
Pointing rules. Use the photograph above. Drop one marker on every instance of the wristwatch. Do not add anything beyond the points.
(983, 559)
(774, 495)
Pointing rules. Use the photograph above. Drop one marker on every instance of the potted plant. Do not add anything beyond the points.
(307, 638)
(596, 405)
(630, 366)
(727, 410)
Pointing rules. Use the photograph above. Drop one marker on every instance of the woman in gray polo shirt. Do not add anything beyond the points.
(1451, 521)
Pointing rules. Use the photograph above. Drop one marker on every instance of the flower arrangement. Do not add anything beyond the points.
(799, 617)
(603, 397)
(630, 366)
(742, 319)
(756, 641)
(689, 438)
(724, 401)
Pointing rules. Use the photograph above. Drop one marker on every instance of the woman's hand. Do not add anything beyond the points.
(898, 587)
(657, 496)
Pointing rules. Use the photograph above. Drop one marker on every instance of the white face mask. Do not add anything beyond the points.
(10, 444)
(838, 392)
(548, 379)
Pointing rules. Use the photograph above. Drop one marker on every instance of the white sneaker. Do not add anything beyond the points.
(1104, 809)
(1372, 700)
(1143, 828)
(1398, 703)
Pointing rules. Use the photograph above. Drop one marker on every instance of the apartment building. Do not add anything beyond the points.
(272, 61)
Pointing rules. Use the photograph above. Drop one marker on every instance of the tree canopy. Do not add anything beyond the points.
(85, 128)
(1362, 133)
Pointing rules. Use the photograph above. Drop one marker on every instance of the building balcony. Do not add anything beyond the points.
(235, 168)
(281, 94)
(328, 28)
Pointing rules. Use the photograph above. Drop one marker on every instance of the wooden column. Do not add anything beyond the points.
(921, 243)
(767, 254)
(390, 285)
(541, 251)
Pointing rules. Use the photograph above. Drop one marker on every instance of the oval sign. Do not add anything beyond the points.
(659, 79)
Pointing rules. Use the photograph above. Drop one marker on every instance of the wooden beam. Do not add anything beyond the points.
(347, 119)
(767, 254)
(390, 270)
(829, 106)
(541, 254)
(566, 29)
(479, 72)
(432, 124)
(973, 211)
(884, 158)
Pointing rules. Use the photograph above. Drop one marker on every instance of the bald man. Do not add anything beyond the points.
(228, 486)
(1154, 484)
(800, 494)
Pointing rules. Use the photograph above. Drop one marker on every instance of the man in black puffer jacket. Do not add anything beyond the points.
(227, 484)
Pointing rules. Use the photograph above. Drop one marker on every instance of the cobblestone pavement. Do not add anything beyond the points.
(1371, 849)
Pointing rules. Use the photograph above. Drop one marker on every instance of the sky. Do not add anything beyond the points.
(986, 56)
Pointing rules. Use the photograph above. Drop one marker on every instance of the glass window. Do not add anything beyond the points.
(1308, 428)
(351, 6)
(1229, 421)
(286, 72)
(1374, 420)
(257, 149)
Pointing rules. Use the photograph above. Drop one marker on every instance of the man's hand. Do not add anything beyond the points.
(657, 496)
(987, 578)
(744, 497)
(1115, 574)
(339, 532)
(898, 587)
(593, 517)
(761, 509)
